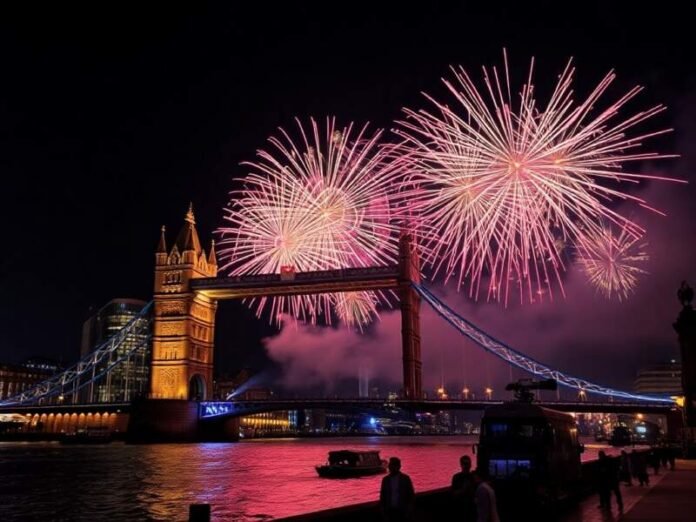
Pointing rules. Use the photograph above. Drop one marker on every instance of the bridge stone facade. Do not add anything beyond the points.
(184, 321)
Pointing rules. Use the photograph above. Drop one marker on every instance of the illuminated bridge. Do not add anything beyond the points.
(178, 326)
(240, 408)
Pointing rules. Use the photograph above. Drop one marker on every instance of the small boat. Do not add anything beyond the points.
(348, 463)
(87, 436)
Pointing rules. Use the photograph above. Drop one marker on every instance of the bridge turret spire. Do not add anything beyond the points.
(189, 215)
(161, 252)
(187, 240)
(212, 259)
(162, 246)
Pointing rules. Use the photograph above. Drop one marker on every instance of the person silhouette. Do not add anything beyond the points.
(396, 495)
(484, 497)
(685, 294)
(463, 489)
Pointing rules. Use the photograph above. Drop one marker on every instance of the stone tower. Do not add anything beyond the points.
(409, 266)
(184, 322)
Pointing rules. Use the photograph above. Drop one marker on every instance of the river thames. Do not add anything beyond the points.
(251, 480)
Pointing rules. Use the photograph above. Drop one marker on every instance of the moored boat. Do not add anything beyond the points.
(87, 436)
(349, 463)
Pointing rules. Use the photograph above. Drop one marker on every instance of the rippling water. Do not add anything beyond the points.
(253, 480)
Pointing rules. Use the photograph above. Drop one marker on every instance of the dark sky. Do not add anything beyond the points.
(113, 118)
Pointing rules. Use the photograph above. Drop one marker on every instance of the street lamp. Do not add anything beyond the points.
(465, 393)
(582, 395)
(489, 393)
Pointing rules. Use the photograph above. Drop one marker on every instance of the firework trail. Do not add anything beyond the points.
(498, 187)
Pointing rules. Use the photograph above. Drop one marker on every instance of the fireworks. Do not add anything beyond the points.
(316, 204)
(612, 262)
(498, 188)
(355, 309)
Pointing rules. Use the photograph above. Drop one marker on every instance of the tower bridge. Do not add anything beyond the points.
(182, 314)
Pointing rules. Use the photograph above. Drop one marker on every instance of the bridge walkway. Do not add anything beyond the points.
(671, 497)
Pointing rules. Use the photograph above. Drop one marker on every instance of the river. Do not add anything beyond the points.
(251, 480)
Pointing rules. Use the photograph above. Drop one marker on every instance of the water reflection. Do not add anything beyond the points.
(254, 480)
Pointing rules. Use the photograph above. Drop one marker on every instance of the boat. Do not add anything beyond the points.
(349, 463)
(87, 436)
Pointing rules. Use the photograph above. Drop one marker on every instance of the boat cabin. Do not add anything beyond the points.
(354, 458)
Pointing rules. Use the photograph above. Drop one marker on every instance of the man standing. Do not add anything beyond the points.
(463, 488)
(396, 495)
(484, 498)
(608, 481)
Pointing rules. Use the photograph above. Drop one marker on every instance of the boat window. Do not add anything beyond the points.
(509, 468)
(516, 430)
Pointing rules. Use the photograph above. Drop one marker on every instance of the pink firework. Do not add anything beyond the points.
(316, 204)
(356, 309)
(498, 187)
(612, 262)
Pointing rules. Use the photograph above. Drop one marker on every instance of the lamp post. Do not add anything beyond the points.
(685, 326)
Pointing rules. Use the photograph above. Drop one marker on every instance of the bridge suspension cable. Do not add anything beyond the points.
(118, 351)
(512, 356)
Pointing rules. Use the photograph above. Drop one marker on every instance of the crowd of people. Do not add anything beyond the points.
(474, 499)
(629, 467)
(471, 492)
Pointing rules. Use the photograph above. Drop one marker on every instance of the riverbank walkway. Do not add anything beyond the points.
(671, 497)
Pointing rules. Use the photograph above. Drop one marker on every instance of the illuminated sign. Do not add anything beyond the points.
(287, 273)
(215, 409)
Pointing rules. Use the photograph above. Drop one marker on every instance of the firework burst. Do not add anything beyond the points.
(612, 262)
(318, 203)
(356, 309)
(496, 185)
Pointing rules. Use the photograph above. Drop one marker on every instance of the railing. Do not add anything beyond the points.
(514, 357)
(92, 379)
(343, 274)
(241, 407)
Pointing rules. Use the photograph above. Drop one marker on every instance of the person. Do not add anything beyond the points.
(671, 456)
(640, 468)
(463, 489)
(484, 499)
(608, 482)
(625, 468)
(664, 452)
(654, 460)
(396, 496)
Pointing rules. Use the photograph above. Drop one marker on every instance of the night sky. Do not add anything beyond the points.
(113, 118)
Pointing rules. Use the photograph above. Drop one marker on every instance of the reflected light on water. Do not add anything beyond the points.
(253, 480)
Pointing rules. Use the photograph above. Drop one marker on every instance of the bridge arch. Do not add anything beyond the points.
(197, 388)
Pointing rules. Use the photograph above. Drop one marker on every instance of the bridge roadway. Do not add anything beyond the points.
(301, 283)
(215, 409)
(248, 407)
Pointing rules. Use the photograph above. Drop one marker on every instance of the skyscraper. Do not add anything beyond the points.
(130, 378)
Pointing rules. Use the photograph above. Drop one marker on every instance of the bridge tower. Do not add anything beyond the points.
(184, 321)
(409, 268)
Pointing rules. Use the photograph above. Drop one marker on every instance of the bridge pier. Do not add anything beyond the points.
(172, 420)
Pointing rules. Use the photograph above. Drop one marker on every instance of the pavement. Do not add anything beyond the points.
(671, 497)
